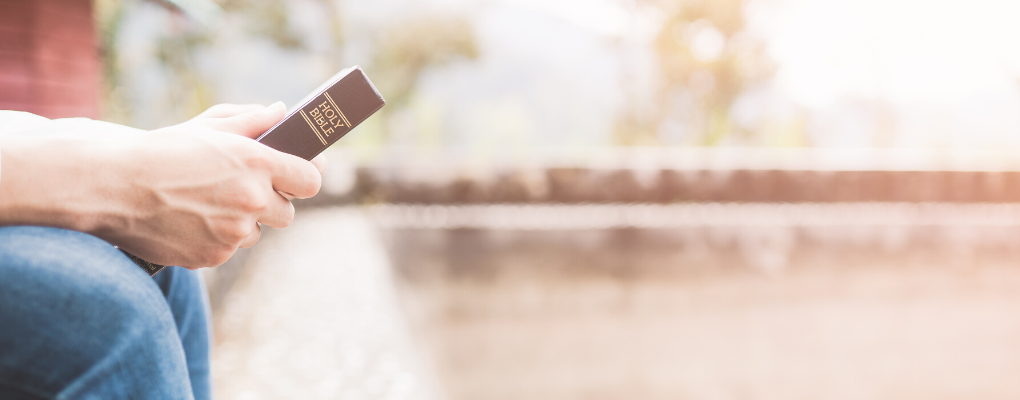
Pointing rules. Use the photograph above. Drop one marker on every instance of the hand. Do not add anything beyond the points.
(221, 113)
(231, 110)
(186, 195)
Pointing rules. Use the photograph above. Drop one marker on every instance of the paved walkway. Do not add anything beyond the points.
(702, 301)
(316, 316)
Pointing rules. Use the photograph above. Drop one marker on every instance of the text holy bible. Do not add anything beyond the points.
(320, 119)
(344, 101)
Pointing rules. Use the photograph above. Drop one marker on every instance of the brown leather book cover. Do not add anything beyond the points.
(327, 114)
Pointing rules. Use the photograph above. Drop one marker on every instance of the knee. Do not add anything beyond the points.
(57, 251)
(72, 294)
(60, 271)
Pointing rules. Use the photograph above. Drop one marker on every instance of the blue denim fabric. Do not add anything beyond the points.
(79, 320)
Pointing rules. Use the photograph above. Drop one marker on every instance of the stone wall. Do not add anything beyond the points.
(591, 185)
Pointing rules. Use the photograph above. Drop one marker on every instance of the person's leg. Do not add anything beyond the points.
(78, 320)
(185, 293)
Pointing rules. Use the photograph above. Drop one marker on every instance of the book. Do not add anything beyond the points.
(324, 116)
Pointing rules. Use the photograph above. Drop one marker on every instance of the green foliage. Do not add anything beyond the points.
(187, 93)
(402, 52)
(176, 52)
(108, 16)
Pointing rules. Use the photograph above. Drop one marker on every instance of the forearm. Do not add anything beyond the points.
(187, 195)
(63, 182)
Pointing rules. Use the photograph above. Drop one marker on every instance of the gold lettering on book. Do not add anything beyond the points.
(311, 125)
(327, 116)
(342, 116)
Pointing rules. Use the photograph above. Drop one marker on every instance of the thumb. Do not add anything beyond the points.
(228, 110)
(250, 124)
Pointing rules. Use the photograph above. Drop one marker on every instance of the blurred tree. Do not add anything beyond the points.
(404, 52)
(192, 93)
(271, 19)
(400, 51)
(187, 93)
(706, 58)
(108, 16)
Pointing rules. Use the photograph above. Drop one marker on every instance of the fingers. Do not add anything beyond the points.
(279, 213)
(320, 162)
(252, 238)
(295, 177)
(252, 123)
(229, 110)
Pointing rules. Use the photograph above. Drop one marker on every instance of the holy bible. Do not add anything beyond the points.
(320, 119)
(327, 114)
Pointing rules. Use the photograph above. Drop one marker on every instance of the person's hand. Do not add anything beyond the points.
(220, 111)
(187, 195)
(214, 186)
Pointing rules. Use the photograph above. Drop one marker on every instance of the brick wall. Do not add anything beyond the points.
(48, 59)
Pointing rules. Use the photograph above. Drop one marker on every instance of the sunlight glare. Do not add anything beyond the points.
(903, 51)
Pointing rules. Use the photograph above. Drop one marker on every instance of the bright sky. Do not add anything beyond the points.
(901, 50)
(904, 51)
(607, 17)
(948, 69)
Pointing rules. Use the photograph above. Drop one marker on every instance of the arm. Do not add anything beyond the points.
(185, 195)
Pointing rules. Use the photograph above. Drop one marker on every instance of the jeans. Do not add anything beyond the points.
(79, 320)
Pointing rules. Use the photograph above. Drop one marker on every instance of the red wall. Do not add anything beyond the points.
(48, 59)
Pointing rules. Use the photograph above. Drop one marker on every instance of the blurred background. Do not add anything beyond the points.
(598, 199)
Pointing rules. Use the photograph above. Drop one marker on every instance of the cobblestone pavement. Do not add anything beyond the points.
(315, 316)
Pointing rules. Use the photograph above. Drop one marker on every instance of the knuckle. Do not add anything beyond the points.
(310, 182)
(218, 255)
(246, 196)
(234, 233)
(287, 217)
(252, 202)
(315, 183)
(256, 159)
(239, 233)
(248, 121)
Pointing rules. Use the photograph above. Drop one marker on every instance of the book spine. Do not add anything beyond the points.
(148, 267)
(326, 117)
